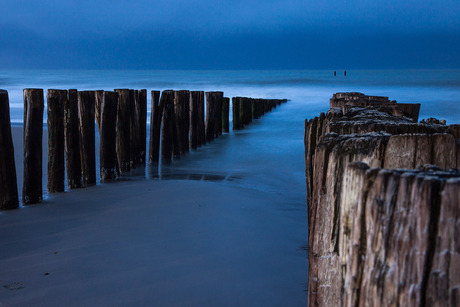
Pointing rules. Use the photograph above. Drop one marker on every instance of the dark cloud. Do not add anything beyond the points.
(230, 34)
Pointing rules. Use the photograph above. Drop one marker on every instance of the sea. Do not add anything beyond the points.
(269, 153)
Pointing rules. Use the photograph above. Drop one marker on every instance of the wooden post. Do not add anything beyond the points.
(213, 115)
(56, 162)
(182, 117)
(8, 179)
(156, 115)
(72, 140)
(99, 96)
(33, 133)
(201, 119)
(123, 130)
(143, 125)
(134, 138)
(236, 113)
(242, 112)
(225, 114)
(167, 131)
(86, 115)
(108, 139)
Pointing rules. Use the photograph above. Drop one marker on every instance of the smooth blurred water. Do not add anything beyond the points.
(437, 90)
(269, 153)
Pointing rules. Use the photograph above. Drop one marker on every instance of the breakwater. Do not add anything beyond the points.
(178, 122)
(383, 195)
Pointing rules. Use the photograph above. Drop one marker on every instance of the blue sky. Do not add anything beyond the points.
(205, 34)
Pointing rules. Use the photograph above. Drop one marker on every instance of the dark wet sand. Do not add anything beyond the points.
(155, 242)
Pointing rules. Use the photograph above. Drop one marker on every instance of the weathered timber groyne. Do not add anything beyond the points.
(177, 124)
(246, 109)
(376, 232)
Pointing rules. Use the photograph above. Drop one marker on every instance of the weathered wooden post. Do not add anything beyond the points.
(108, 138)
(134, 138)
(167, 131)
(86, 115)
(182, 117)
(242, 112)
(236, 113)
(201, 119)
(33, 133)
(8, 179)
(143, 125)
(225, 114)
(56, 100)
(99, 96)
(123, 130)
(213, 115)
(72, 140)
(156, 115)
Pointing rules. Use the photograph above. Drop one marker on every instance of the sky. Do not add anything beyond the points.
(236, 34)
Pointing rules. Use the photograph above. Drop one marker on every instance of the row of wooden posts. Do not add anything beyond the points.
(177, 121)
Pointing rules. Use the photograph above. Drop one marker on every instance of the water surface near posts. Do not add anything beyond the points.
(8, 179)
(86, 115)
(56, 100)
(33, 133)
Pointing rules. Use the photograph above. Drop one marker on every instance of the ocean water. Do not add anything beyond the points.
(269, 153)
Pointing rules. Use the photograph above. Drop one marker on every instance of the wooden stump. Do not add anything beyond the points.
(143, 125)
(225, 114)
(156, 115)
(182, 118)
(108, 138)
(236, 113)
(72, 140)
(213, 115)
(56, 162)
(86, 115)
(201, 119)
(99, 96)
(8, 179)
(33, 133)
(168, 127)
(123, 130)
(134, 137)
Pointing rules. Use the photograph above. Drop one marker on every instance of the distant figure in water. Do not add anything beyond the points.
(345, 73)
(335, 73)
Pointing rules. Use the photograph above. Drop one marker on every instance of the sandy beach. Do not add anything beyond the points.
(207, 240)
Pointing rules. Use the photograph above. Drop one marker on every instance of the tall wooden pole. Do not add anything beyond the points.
(33, 133)
(99, 96)
(86, 115)
(225, 114)
(72, 140)
(156, 115)
(143, 125)
(134, 129)
(56, 100)
(168, 129)
(182, 118)
(236, 113)
(123, 130)
(8, 179)
(108, 148)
